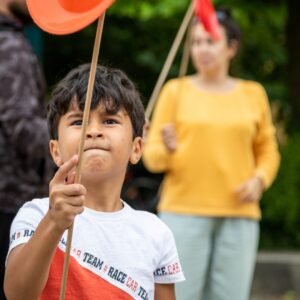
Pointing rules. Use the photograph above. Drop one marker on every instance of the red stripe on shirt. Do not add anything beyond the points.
(82, 283)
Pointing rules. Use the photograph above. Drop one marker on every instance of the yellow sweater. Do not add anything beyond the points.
(223, 140)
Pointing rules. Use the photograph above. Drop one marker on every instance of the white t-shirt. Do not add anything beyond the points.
(119, 255)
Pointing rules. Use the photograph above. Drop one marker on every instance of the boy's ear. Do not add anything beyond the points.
(136, 152)
(55, 153)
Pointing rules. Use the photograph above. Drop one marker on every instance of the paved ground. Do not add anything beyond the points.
(277, 276)
(287, 296)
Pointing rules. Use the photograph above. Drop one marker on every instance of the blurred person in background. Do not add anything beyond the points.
(212, 135)
(24, 158)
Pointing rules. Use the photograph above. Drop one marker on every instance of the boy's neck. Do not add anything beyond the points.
(105, 206)
(104, 196)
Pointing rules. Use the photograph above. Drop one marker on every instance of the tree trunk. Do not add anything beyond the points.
(293, 48)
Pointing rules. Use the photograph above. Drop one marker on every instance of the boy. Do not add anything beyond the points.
(117, 252)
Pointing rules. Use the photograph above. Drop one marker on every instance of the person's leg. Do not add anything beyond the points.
(232, 266)
(193, 241)
(5, 222)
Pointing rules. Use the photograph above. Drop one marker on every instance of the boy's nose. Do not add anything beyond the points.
(94, 132)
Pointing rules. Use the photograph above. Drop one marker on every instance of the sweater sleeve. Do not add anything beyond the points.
(265, 145)
(156, 158)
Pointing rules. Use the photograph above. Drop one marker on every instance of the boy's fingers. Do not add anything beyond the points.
(77, 201)
(64, 169)
(73, 190)
(71, 177)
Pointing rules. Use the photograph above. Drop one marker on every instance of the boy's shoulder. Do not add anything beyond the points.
(146, 217)
(148, 222)
(38, 204)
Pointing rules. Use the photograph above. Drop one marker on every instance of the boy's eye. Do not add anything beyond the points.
(110, 122)
(77, 123)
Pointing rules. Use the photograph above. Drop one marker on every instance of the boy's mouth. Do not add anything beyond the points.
(95, 147)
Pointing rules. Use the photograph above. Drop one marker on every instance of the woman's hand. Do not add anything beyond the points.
(251, 190)
(169, 138)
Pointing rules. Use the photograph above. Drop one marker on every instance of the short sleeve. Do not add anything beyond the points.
(26, 222)
(169, 269)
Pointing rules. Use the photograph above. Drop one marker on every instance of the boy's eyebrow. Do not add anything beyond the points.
(71, 114)
(79, 114)
(117, 114)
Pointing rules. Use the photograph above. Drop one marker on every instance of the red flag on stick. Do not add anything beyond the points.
(206, 13)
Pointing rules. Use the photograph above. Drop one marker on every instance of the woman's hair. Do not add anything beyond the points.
(232, 29)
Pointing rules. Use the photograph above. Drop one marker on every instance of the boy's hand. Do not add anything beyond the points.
(169, 137)
(66, 197)
(251, 190)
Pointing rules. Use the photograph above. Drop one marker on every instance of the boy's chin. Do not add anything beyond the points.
(93, 177)
(94, 162)
(94, 170)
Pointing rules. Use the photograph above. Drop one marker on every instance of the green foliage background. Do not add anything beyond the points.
(137, 38)
(281, 205)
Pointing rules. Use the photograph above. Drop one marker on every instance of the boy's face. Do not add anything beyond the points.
(108, 142)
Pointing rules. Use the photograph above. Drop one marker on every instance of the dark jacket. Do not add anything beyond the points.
(24, 139)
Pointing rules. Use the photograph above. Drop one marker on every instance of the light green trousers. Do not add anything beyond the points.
(217, 256)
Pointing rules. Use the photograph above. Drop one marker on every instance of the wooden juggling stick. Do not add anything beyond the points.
(169, 60)
(86, 114)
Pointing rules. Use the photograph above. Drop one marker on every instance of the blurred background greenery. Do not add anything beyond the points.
(137, 38)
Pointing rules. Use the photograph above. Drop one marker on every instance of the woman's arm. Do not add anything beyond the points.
(156, 156)
(267, 157)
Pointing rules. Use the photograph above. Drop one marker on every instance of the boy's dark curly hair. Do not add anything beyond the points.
(112, 88)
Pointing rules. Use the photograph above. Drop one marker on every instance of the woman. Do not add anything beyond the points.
(213, 136)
